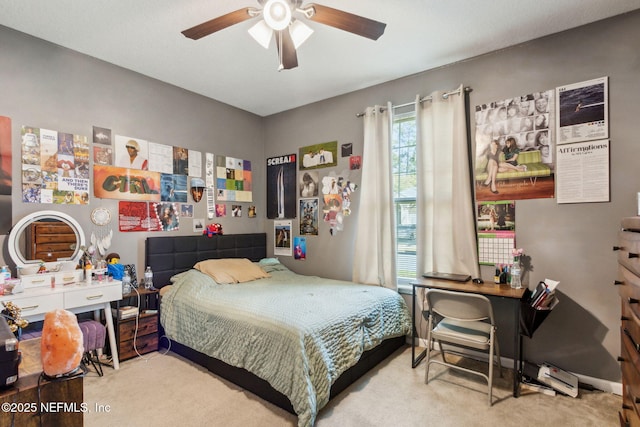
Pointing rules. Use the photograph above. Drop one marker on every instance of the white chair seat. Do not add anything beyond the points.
(474, 334)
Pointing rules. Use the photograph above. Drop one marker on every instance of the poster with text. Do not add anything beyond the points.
(583, 172)
(281, 186)
(137, 216)
(111, 182)
(282, 241)
(583, 111)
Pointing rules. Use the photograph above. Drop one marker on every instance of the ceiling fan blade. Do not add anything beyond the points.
(219, 23)
(288, 56)
(346, 21)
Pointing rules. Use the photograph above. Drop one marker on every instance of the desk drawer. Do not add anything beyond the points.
(92, 295)
(146, 325)
(38, 305)
(629, 288)
(144, 344)
(36, 280)
(68, 277)
(630, 379)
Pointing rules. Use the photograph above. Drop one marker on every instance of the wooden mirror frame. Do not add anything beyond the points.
(16, 232)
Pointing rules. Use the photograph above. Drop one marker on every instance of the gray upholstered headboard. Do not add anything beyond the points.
(172, 255)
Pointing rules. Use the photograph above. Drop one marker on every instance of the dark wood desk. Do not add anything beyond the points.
(488, 289)
(22, 400)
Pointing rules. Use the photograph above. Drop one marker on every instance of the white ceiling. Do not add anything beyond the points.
(229, 66)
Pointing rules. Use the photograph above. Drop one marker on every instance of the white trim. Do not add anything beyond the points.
(598, 383)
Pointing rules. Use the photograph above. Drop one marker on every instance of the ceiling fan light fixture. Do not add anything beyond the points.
(277, 14)
(300, 32)
(262, 33)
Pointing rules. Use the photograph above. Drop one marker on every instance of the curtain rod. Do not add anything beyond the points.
(426, 98)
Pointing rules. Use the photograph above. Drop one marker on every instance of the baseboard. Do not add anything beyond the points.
(598, 383)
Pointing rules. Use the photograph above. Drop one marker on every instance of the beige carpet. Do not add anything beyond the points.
(167, 390)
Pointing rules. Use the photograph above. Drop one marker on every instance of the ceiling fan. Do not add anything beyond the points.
(290, 32)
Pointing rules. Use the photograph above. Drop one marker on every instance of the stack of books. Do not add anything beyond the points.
(543, 297)
(125, 312)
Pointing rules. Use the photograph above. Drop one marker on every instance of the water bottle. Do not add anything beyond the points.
(5, 274)
(126, 282)
(148, 278)
(515, 277)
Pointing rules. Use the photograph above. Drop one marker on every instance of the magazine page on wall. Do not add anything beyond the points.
(583, 111)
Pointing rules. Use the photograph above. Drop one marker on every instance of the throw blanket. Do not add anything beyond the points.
(299, 333)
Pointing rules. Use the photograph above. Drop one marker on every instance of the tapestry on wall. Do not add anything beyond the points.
(5, 173)
(281, 187)
(233, 179)
(514, 148)
(55, 167)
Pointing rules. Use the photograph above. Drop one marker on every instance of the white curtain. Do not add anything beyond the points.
(446, 237)
(374, 259)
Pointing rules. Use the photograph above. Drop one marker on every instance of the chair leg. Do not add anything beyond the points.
(98, 367)
(442, 351)
(428, 358)
(495, 339)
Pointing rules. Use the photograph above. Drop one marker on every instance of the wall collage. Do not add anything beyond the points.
(548, 144)
(150, 180)
(296, 186)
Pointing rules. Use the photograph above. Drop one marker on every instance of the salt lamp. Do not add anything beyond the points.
(61, 345)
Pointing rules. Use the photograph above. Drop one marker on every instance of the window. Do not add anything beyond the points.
(404, 193)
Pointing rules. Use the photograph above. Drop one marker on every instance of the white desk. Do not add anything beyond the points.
(35, 302)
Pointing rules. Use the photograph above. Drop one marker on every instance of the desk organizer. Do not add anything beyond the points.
(530, 318)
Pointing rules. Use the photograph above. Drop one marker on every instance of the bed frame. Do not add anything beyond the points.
(168, 256)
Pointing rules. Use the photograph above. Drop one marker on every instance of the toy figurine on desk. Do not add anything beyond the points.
(114, 267)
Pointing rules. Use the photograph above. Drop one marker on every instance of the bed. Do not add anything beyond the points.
(284, 349)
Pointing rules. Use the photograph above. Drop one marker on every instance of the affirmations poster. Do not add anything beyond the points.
(583, 172)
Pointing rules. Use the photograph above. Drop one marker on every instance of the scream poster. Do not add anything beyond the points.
(281, 187)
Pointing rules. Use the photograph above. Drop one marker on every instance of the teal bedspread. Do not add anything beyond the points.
(299, 333)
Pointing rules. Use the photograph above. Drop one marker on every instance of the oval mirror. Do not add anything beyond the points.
(49, 236)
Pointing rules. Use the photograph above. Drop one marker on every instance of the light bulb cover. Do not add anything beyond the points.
(277, 14)
(262, 33)
(300, 32)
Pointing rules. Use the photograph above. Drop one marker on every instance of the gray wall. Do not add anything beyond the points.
(47, 86)
(570, 243)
